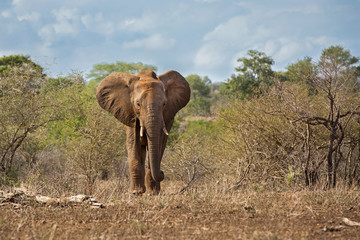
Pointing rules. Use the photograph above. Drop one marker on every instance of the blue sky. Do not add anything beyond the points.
(202, 37)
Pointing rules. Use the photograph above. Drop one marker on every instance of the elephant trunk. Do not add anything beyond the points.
(154, 127)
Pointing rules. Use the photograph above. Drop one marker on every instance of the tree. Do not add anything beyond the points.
(337, 78)
(200, 93)
(7, 62)
(200, 87)
(199, 106)
(100, 71)
(254, 75)
(333, 104)
(59, 83)
(74, 99)
(24, 108)
(302, 70)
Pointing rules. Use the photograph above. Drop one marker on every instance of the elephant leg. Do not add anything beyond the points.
(136, 156)
(152, 187)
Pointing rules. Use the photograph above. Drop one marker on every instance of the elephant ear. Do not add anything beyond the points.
(113, 95)
(178, 93)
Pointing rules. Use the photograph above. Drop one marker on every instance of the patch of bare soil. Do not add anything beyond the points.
(269, 215)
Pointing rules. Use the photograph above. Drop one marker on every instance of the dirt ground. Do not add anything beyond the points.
(266, 215)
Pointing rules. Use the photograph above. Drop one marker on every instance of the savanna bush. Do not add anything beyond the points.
(281, 137)
(191, 157)
(258, 145)
(99, 147)
(81, 147)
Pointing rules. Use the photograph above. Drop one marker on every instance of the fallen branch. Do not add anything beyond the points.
(23, 197)
(350, 223)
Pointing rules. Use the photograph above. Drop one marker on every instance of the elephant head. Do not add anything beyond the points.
(146, 100)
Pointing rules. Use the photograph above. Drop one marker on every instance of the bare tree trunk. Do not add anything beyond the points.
(308, 154)
(336, 161)
(329, 159)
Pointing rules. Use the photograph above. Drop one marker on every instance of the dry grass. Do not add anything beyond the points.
(203, 213)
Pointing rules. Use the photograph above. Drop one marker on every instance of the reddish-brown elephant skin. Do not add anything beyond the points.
(147, 105)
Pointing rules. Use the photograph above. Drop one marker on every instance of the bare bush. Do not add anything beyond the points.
(98, 148)
(190, 159)
(258, 148)
(50, 174)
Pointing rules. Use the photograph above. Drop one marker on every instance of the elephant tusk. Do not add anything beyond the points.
(141, 131)
(165, 131)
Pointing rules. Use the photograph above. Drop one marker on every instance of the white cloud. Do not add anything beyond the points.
(287, 50)
(17, 2)
(229, 31)
(218, 45)
(47, 33)
(98, 24)
(87, 20)
(6, 14)
(155, 42)
(66, 21)
(321, 40)
(209, 56)
(272, 31)
(145, 23)
(31, 17)
(64, 27)
(306, 9)
(64, 14)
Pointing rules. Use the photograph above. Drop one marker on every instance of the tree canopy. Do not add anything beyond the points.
(8, 62)
(100, 71)
(200, 87)
(254, 75)
(301, 70)
(200, 95)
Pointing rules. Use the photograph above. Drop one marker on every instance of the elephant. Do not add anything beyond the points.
(146, 104)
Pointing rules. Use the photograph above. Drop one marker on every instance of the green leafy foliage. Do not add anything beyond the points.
(100, 71)
(301, 70)
(200, 87)
(200, 127)
(7, 62)
(254, 76)
(200, 102)
(199, 106)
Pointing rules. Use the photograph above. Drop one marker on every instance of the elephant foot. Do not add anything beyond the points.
(152, 194)
(152, 187)
(137, 190)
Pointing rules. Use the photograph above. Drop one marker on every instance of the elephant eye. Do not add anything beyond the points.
(138, 104)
